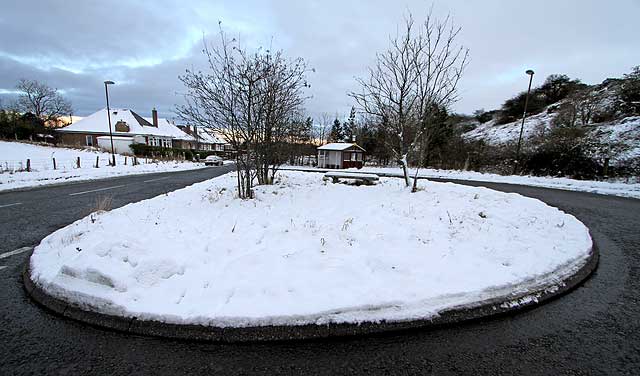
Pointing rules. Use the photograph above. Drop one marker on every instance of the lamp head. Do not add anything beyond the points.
(529, 72)
(109, 82)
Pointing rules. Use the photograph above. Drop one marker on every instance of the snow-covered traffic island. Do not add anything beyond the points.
(311, 256)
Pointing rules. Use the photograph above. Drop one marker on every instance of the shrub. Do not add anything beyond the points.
(557, 87)
(562, 154)
(629, 92)
(513, 108)
(143, 150)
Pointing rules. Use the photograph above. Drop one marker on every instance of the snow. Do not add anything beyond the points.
(304, 251)
(497, 134)
(350, 174)
(622, 136)
(14, 155)
(620, 188)
(338, 146)
(207, 136)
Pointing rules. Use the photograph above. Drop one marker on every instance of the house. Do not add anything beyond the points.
(340, 155)
(204, 139)
(127, 126)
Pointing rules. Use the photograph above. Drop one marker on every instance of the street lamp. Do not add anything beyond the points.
(106, 91)
(524, 116)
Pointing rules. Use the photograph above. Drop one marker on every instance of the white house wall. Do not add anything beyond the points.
(120, 146)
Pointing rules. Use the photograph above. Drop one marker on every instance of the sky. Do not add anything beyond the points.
(75, 45)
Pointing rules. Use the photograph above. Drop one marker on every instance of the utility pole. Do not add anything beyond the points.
(106, 91)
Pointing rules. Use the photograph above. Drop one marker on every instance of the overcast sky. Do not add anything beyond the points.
(74, 45)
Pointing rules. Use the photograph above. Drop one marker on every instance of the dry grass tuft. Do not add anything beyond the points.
(103, 203)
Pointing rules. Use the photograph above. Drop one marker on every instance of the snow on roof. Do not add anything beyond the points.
(339, 146)
(176, 132)
(98, 123)
(209, 137)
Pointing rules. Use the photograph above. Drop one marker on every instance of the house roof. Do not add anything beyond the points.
(339, 146)
(207, 136)
(98, 123)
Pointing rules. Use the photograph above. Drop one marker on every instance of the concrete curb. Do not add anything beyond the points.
(500, 306)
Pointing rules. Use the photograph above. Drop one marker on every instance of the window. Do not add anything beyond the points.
(89, 140)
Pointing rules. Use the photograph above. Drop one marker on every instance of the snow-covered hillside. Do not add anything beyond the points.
(623, 135)
(14, 155)
(618, 139)
(495, 134)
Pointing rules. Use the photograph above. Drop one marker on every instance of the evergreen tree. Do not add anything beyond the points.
(349, 128)
(336, 134)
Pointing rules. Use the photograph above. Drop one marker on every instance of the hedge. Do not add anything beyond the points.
(143, 150)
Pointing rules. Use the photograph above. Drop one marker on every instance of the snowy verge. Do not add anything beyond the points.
(14, 155)
(612, 188)
(308, 252)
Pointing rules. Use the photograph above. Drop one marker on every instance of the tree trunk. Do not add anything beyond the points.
(405, 170)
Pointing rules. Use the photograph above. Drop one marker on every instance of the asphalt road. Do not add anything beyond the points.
(592, 330)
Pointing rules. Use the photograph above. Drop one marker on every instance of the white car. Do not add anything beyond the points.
(213, 160)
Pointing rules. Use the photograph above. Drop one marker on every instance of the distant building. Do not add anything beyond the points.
(206, 139)
(127, 126)
(340, 155)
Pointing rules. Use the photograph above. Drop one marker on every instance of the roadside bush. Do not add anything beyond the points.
(562, 154)
(143, 150)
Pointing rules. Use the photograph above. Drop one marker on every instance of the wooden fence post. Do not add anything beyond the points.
(97, 159)
(28, 165)
(54, 163)
(125, 160)
(78, 162)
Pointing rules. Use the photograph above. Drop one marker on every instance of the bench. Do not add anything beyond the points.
(367, 179)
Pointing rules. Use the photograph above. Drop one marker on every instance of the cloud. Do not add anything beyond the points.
(145, 45)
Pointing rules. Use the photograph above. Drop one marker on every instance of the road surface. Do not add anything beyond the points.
(593, 330)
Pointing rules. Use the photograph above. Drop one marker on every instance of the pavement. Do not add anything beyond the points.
(592, 330)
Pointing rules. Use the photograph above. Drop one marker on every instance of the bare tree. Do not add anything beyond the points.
(41, 100)
(323, 128)
(251, 100)
(416, 75)
(580, 106)
(283, 98)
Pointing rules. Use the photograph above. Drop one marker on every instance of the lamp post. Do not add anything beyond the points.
(524, 116)
(106, 92)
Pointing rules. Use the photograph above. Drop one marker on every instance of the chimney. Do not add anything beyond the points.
(154, 115)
